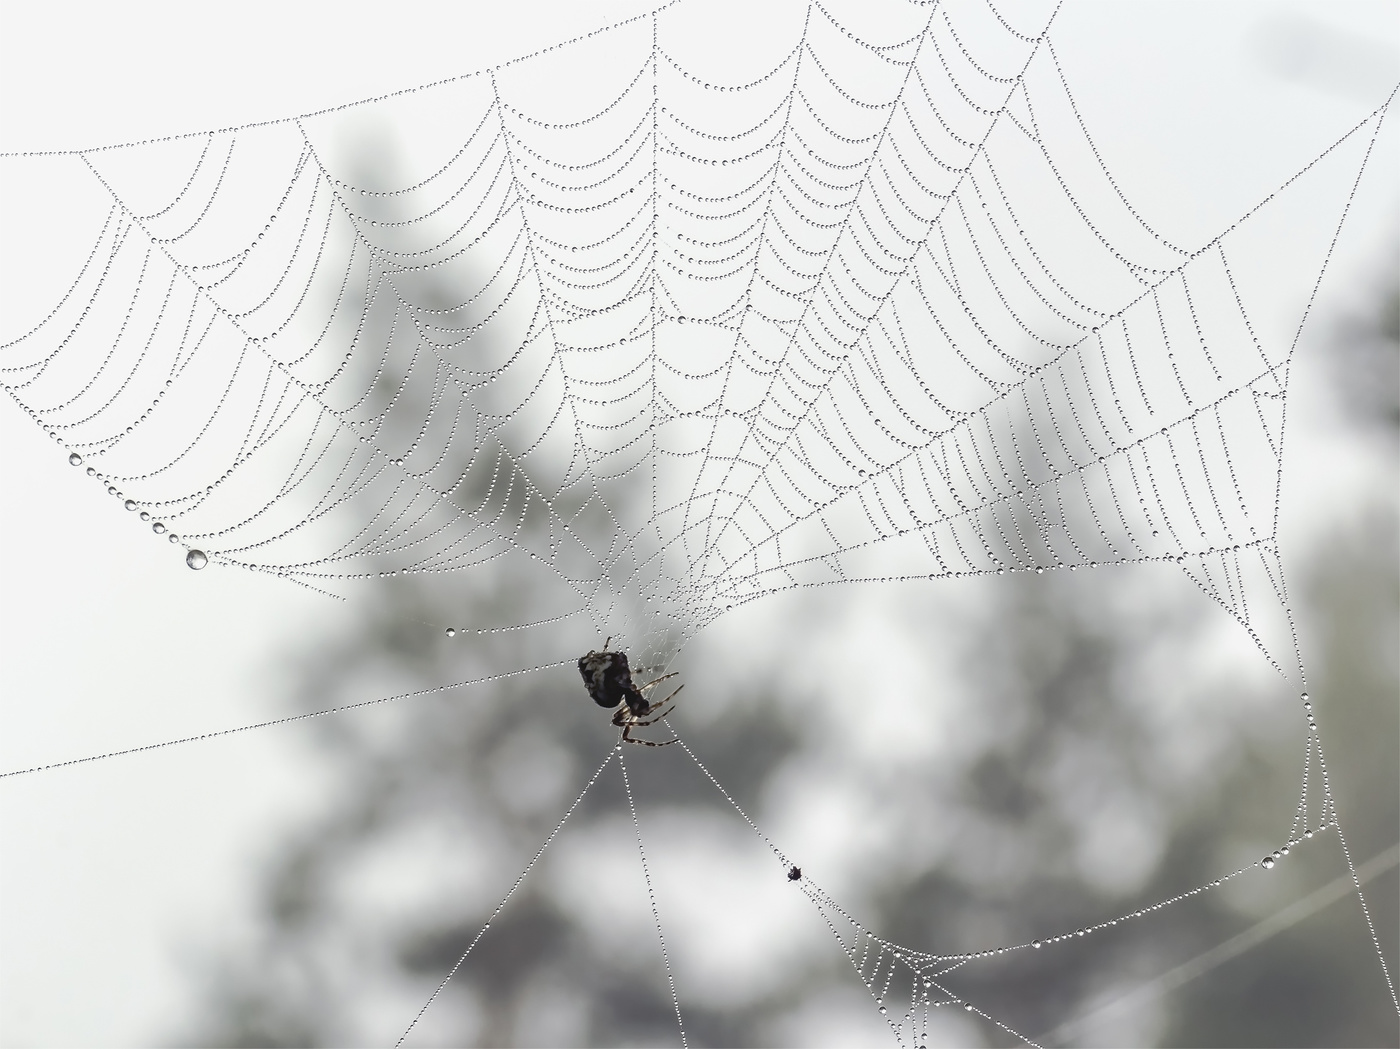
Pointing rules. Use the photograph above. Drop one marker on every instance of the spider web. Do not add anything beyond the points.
(688, 338)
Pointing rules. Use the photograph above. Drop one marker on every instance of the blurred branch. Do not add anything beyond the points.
(1256, 934)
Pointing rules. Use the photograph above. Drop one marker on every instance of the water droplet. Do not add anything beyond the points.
(451, 631)
(1267, 863)
(130, 504)
(75, 459)
(1035, 944)
(158, 528)
(967, 1006)
(882, 1010)
(196, 559)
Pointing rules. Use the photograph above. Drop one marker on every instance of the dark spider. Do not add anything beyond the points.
(608, 679)
(795, 873)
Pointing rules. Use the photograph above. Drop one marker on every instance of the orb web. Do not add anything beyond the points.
(862, 304)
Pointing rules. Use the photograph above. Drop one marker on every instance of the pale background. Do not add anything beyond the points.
(107, 640)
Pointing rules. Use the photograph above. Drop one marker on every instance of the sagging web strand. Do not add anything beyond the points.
(705, 341)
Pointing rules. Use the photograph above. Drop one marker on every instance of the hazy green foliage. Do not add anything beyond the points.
(1090, 756)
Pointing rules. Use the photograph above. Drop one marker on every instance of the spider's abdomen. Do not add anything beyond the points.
(608, 678)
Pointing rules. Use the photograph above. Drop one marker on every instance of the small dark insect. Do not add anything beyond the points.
(794, 874)
(608, 679)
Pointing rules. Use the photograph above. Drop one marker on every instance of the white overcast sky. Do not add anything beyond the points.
(108, 640)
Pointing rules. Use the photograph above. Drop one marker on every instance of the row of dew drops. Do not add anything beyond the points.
(196, 559)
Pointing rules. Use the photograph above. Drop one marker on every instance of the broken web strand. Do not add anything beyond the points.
(877, 960)
(506, 898)
(651, 892)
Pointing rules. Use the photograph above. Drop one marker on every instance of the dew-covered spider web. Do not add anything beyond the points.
(858, 303)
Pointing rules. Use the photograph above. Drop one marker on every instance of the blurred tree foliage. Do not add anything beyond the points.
(1091, 771)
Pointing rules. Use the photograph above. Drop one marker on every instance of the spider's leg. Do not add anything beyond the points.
(655, 711)
(658, 681)
(627, 738)
(654, 707)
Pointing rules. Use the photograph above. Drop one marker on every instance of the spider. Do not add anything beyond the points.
(608, 679)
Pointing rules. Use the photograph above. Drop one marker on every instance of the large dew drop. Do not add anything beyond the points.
(75, 459)
(196, 559)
